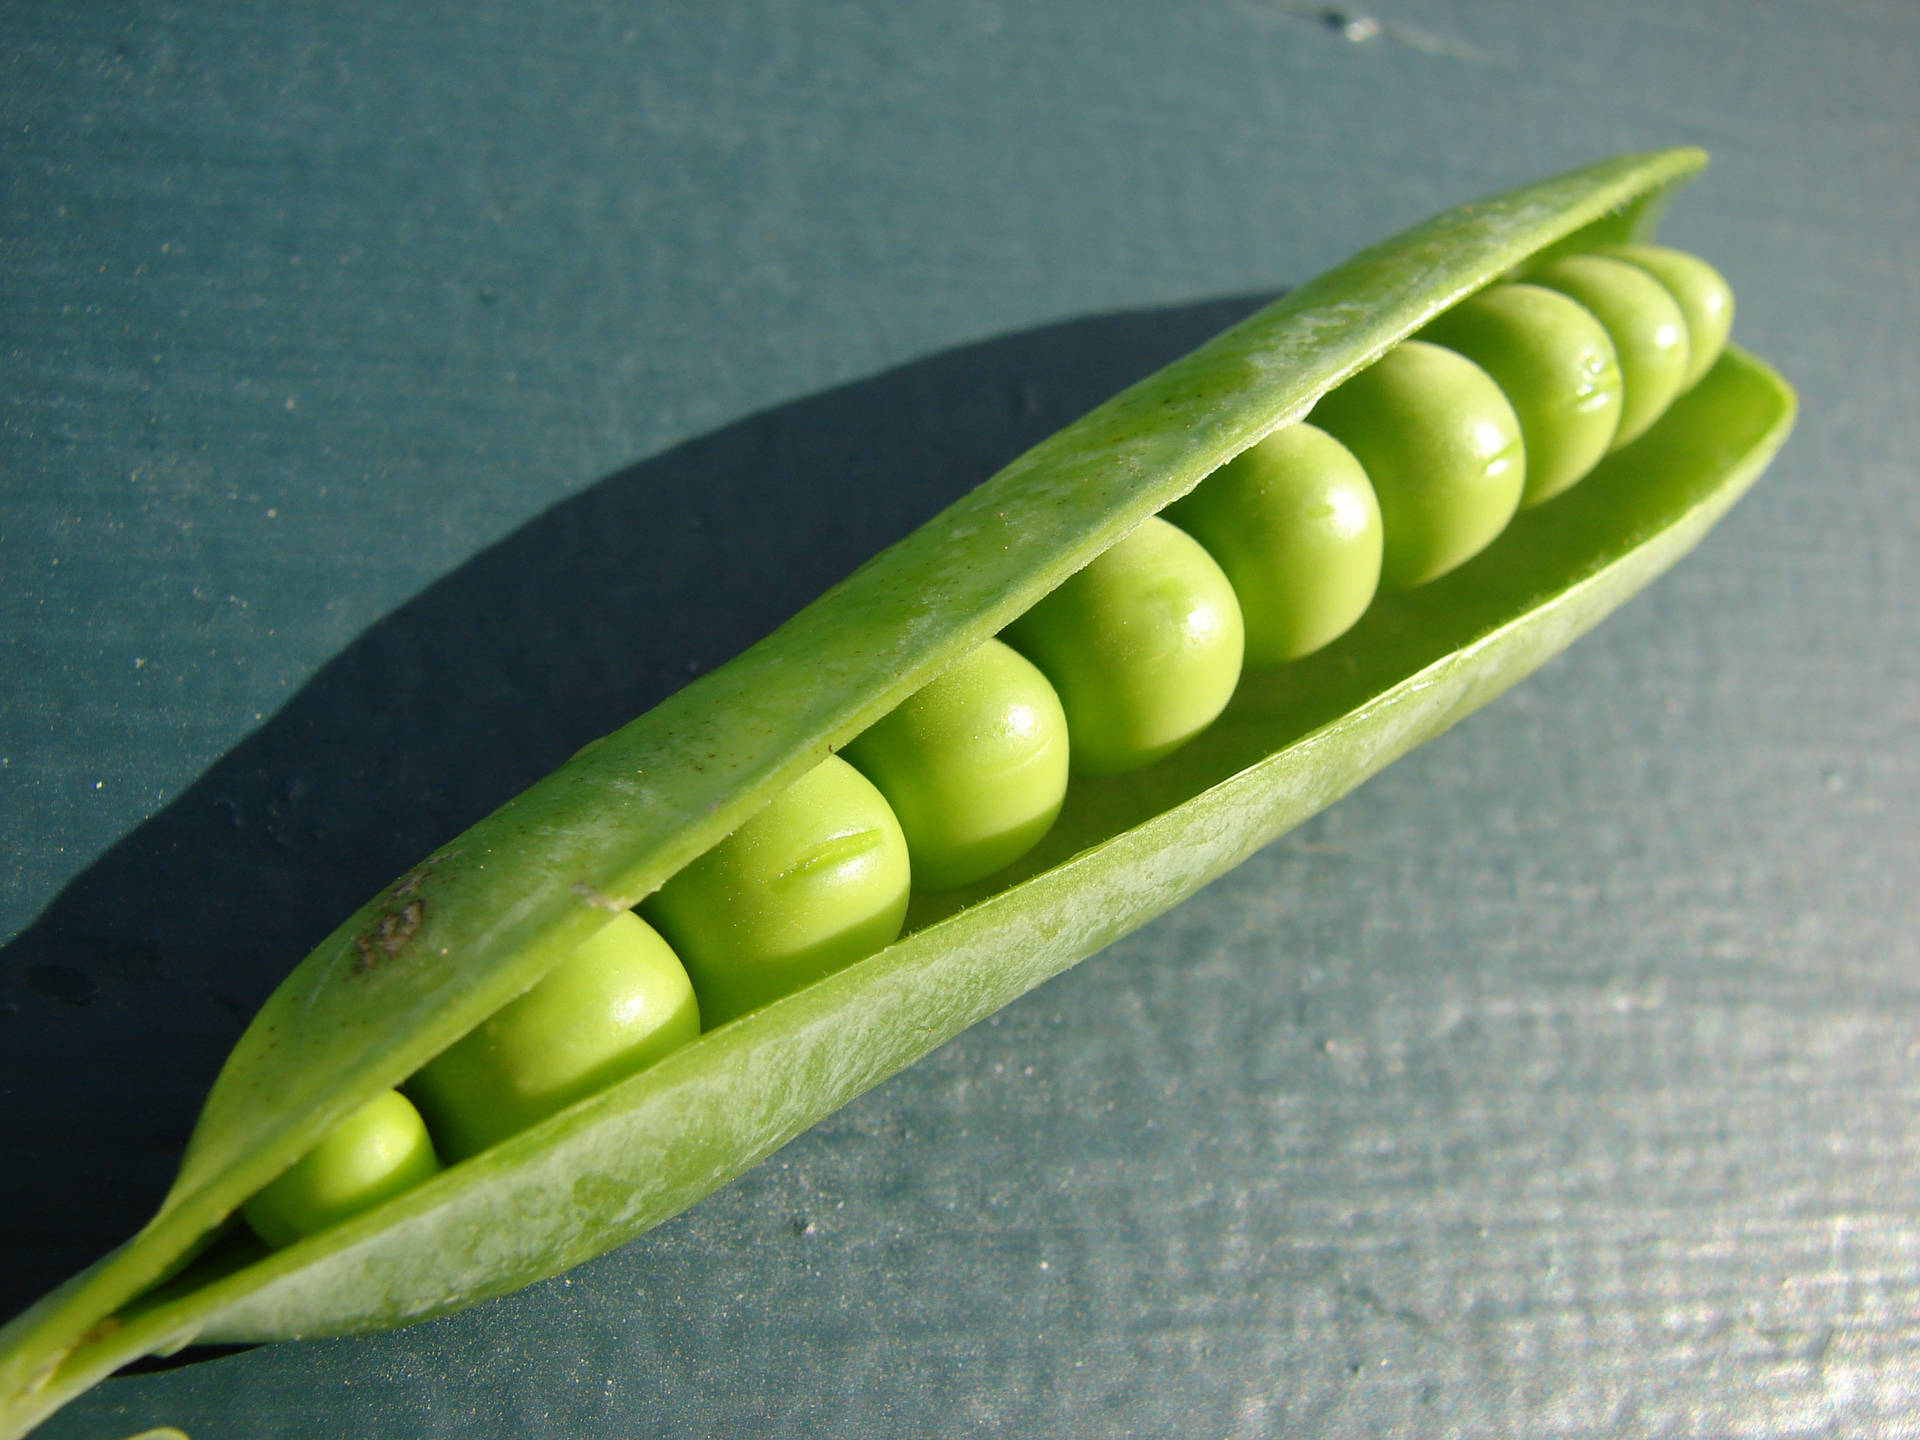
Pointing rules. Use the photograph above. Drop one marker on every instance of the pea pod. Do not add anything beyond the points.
(480, 920)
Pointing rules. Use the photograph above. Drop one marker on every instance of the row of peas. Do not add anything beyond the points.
(1406, 470)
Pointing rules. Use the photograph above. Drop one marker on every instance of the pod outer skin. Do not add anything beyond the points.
(517, 891)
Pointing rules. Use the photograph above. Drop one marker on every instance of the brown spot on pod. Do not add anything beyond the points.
(389, 936)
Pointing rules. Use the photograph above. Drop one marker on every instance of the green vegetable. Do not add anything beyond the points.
(480, 921)
(973, 764)
(1442, 447)
(1143, 645)
(812, 883)
(1704, 297)
(1555, 364)
(1294, 523)
(374, 1154)
(613, 1007)
(1649, 333)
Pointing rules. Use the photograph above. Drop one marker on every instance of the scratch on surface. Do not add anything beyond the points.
(1370, 1299)
(1359, 27)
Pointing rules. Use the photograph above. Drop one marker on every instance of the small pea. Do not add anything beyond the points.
(1648, 331)
(812, 883)
(1444, 452)
(616, 1005)
(1558, 369)
(1143, 645)
(1704, 297)
(374, 1154)
(1294, 523)
(973, 764)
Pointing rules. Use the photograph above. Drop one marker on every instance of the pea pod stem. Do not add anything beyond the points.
(483, 918)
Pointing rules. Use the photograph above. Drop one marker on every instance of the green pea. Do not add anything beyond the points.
(974, 765)
(1648, 331)
(1558, 369)
(814, 882)
(1144, 646)
(375, 1153)
(1294, 523)
(616, 1005)
(1444, 452)
(1702, 292)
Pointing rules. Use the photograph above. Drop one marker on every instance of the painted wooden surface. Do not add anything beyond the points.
(1562, 1081)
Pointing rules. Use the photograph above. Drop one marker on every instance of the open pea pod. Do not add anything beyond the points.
(483, 918)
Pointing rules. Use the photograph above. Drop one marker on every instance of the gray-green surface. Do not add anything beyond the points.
(1562, 1081)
